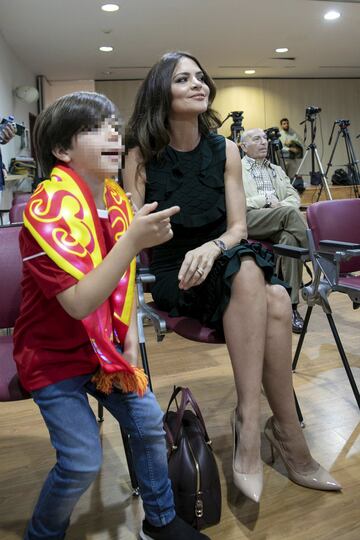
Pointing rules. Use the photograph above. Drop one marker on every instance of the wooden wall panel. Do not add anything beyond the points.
(265, 101)
(120, 92)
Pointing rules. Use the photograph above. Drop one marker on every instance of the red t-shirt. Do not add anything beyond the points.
(49, 345)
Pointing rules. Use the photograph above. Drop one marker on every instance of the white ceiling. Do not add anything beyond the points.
(60, 38)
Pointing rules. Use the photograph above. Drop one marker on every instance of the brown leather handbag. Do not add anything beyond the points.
(192, 466)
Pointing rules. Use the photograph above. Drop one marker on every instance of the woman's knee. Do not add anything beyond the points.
(250, 278)
(278, 302)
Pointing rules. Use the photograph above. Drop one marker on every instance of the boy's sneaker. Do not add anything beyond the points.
(177, 529)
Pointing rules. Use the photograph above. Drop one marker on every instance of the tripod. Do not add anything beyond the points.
(236, 131)
(314, 156)
(236, 128)
(352, 164)
(275, 154)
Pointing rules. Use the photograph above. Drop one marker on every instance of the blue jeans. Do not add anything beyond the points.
(74, 434)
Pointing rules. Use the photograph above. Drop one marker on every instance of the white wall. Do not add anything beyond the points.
(13, 73)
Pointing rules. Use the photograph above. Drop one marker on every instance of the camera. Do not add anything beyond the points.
(311, 111)
(273, 136)
(19, 128)
(343, 123)
(272, 133)
(237, 116)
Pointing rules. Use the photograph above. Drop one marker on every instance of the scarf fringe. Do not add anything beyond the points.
(127, 382)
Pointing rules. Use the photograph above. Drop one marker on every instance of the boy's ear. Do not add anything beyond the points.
(62, 154)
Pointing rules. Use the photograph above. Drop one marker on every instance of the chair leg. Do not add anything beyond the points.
(145, 363)
(302, 337)
(299, 413)
(142, 346)
(125, 437)
(130, 462)
(100, 412)
(344, 358)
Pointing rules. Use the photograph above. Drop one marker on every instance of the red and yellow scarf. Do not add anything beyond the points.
(62, 217)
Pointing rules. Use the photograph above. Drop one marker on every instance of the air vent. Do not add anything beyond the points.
(243, 67)
(339, 67)
(281, 58)
(129, 67)
(338, 1)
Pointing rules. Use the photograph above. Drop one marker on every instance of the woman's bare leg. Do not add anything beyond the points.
(277, 377)
(244, 325)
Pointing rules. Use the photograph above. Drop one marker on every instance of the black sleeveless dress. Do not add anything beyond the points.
(195, 181)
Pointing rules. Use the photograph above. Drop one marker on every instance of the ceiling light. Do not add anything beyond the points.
(106, 49)
(281, 49)
(331, 15)
(249, 71)
(110, 7)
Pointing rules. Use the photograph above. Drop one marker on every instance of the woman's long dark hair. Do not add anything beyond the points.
(148, 127)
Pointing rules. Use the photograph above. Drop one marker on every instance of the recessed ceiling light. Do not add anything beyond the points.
(331, 15)
(110, 7)
(282, 49)
(249, 71)
(106, 49)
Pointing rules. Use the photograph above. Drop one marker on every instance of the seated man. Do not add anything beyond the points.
(273, 210)
(293, 147)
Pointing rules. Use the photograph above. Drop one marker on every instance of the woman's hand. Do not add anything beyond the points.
(197, 265)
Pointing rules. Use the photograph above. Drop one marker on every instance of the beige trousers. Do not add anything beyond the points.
(282, 225)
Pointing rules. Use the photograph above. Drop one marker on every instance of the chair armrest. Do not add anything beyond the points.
(332, 246)
(143, 278)
(291, 251)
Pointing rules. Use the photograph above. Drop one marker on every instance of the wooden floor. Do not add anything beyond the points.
(286, 512)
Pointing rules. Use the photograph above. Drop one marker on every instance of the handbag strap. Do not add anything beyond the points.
(187, 398)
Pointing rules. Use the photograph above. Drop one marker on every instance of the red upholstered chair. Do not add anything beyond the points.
(16, 212)
(334, 250)
(186, 327)
(19, 197)
(10, 279)
(10, 297)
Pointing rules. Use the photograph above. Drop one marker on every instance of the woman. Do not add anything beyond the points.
(208, 270)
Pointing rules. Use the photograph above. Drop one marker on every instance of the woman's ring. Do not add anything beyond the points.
(199, 270)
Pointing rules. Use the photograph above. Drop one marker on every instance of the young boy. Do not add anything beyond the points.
(76, 333)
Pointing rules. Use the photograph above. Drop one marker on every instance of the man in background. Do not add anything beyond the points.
(293, 147)
(273, 210)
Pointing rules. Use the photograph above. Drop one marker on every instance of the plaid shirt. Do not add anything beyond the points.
(262, 172)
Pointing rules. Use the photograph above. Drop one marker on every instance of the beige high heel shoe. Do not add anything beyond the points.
(250, 484)
(318, 479)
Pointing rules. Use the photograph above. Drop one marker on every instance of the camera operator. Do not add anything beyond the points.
(7, 133)
(293, 147)
(273, 210)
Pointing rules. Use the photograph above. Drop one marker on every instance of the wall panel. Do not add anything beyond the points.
(265, 101)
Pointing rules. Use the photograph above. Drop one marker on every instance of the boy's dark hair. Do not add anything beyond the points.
(148, 125)
(67, 116)
(284, 120)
